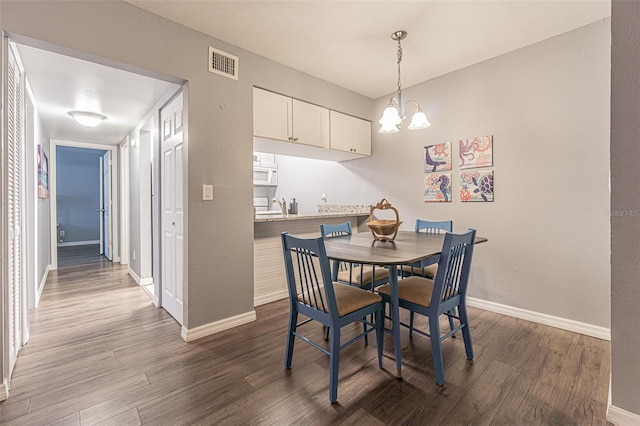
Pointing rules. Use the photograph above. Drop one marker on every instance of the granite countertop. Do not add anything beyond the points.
(280, 218)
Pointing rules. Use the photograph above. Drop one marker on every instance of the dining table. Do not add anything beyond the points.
(408, 248)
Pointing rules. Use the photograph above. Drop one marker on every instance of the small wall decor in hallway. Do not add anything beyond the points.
(43, 173)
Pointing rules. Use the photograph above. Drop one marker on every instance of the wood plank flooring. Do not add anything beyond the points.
(101, 354)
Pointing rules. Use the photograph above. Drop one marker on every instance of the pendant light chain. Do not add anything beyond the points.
(399, 60)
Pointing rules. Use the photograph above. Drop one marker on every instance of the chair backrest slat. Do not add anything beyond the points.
(335, 230)
(454, 267)
(307, 272)
(434, 227)
(341, 230)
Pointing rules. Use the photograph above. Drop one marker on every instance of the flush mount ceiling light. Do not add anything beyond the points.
(87, 119)
(393, 114)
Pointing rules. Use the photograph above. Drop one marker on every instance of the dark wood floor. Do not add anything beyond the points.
(100, 353)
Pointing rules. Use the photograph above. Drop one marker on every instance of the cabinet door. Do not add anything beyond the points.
(341, 131)
(361, 142)
(310, 124)
(271, 115)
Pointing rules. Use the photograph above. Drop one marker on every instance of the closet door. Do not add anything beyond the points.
(14, 169)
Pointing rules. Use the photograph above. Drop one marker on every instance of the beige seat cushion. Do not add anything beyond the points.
(428, 271)
(349, 299)
(366, 275)
(412, 289)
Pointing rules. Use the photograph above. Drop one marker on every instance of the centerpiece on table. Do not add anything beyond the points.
(384, 229)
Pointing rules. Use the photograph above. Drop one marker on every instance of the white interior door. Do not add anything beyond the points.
(100, 209)
(106, 203)
(172, 207)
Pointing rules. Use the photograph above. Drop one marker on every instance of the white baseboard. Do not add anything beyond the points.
(621, 417)
(263, 299)
(40, 288)
(79, 243)
(217, 327)
(4, 394)
(138, 280)
(558, 322)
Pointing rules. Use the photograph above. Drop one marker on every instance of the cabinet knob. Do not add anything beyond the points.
(290, 138)
(295, 139)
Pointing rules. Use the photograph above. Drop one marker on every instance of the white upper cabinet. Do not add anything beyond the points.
(283, 118)
(287, 126)
(350, 134)
(310, 124)
(272, 115)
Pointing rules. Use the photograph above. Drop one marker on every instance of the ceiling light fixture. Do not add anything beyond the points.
(87, 119)
(393, 114)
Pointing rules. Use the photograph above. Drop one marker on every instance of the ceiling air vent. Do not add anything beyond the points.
(223, 63)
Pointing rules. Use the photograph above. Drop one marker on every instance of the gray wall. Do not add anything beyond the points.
(43, 232)
(625, 206)
(78, 193)
(220, 146)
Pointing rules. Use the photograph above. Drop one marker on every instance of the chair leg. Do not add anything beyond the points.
(293, 320)
(326, 330)
(410, 324)
(380, 333)
(364, 330)
(466, 332)
(450, 315)
(436, 348)
(334, 363)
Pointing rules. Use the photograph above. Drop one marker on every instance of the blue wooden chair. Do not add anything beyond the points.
(363, 276)
(441, 296)
(430, 227)
(313, 294)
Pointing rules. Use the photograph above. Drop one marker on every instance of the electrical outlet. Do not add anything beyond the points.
(62, 233)
(134, 255)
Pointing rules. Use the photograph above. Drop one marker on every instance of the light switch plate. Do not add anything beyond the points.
(207, 192)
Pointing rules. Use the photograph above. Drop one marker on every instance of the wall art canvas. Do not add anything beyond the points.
(43, 173)
(476, 185)
(437, 187)
(437, 158)
(476, 152)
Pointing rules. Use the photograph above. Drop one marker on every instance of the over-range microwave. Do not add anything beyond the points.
(265, 175)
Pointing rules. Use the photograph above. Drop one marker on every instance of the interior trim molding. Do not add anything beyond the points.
(3, 392)
(618, 416)
(40, 288)
(550, 320)
(135, 276)
(189, 335)
(270, 297)
(79, 243)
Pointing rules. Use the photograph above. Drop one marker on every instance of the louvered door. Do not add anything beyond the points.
(14, 208)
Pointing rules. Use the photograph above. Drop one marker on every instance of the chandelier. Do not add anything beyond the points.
(393, 114)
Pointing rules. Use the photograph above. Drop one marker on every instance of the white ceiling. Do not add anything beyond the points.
(348, 42)
(61, 84)
(345, 42)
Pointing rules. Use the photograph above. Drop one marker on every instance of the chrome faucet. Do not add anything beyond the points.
(282, 204)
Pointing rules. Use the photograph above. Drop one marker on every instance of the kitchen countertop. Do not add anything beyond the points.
(281, 218)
